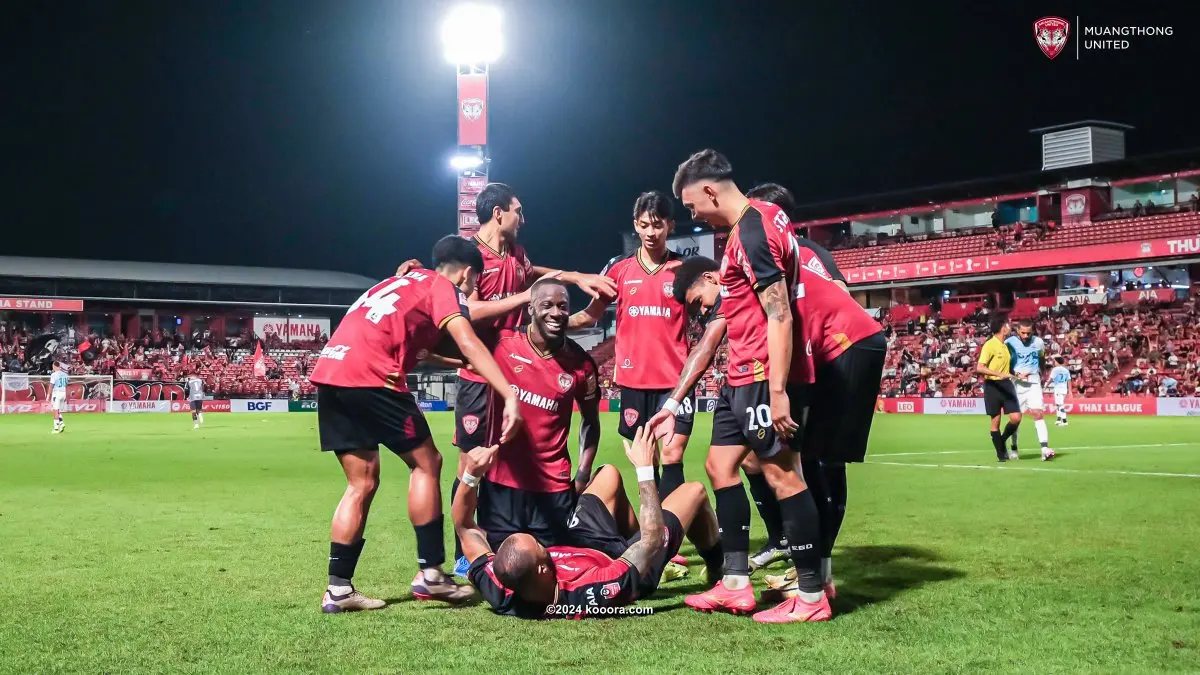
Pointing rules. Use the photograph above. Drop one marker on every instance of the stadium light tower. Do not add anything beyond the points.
(472, 41)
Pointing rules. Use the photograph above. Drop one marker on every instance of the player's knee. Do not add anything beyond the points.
(673, 453)
(608, 472)
(694, 492)
(721, 470)
(364, 484)
(750, 464)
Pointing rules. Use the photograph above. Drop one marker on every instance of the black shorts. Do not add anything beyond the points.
(363, 418)
(472, 415)
(743, 417)
(1000, 396)
(504, 510)
(639, 405)
(592, 526)
(197, 406)
(842, 405)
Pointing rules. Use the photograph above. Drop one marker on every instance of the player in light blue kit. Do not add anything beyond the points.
(58, 396)
(1027, 352)
(1060, 380)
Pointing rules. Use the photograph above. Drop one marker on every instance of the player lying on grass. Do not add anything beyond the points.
(617, 558)
(363, 401)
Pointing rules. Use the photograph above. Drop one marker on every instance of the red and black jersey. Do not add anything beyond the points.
(388, 330)
(504, 274)
(652, 339)
(548, 385)
(587, 581)
(832, 319)
(761, 250)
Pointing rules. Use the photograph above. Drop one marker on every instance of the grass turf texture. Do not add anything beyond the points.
(133, 543)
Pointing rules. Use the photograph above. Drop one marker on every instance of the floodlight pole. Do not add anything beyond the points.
(473, 116)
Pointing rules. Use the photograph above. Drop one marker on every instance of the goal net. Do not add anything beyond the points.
(30, 394)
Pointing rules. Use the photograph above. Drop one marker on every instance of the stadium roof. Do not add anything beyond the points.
(118, 270)
(1030, 181)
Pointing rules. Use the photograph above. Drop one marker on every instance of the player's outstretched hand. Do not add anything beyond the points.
(511, 419)
(781, 415)
(641, 451)
(662, 426)
(408, 266)
(597, 285)
(478, 461)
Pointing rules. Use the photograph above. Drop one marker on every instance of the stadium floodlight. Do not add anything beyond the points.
(471, 35)
(466, 162)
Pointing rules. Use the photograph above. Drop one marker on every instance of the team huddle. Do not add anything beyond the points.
(538, 536)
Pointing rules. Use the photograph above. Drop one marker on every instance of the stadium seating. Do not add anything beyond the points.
(1033, 239)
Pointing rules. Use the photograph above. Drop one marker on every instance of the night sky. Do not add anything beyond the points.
(316, 134)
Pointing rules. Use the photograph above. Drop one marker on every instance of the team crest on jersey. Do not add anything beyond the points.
(610, 590)
(814, 265)
(470, 423)
(631, 417)
(633, 290)
(668, 288)
(565, 381)
(518, 369)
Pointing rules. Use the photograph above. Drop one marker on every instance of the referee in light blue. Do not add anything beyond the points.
(1028, 354)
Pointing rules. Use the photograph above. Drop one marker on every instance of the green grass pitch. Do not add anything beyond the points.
(135, 544)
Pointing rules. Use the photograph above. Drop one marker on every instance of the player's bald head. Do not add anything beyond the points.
(546, 285)
(523, 566)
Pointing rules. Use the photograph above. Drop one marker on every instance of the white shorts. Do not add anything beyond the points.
(1060, 399)
(57, 401)
(1029, 395)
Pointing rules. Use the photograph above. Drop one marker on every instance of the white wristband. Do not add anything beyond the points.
(645, 473)
(672, 405)
(469, 480)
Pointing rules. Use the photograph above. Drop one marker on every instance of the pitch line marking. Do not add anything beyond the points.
(1072, 447)
(1039, 468)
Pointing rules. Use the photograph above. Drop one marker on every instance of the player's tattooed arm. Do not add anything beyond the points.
(776, 302)
(642, 554)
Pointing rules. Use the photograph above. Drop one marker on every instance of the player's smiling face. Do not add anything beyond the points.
(551, 309)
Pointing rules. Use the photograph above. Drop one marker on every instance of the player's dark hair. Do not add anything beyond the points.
(1025, 323)
(455, 251)
(513, 563)
(1059, 360)
(777, 195)
(688, 273)
(998, 322)
(493, 195)
(706, 164)
(654, 204)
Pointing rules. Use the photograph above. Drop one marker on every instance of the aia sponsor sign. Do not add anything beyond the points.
(40, 304)
(148, 391)
(1051, 34)
(1148, 295)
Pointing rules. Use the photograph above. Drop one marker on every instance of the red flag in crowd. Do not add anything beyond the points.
(260, 364)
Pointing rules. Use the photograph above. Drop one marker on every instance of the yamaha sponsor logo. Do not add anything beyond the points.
(650, 310)
(535, 400)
